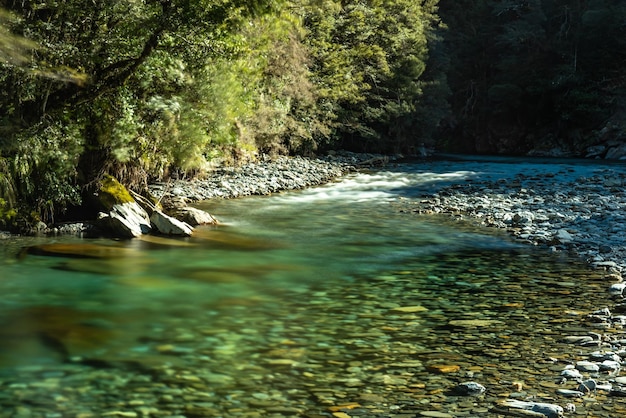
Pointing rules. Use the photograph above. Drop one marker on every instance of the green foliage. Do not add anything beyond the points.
(14, 49)
(8, 213)
(139, 89)
(369, 59)
(42, 163)
(536, 69)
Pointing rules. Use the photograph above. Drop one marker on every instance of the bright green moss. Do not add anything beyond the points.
(113, 193)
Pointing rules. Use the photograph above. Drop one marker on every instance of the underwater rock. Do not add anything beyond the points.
(223, 239)
(444, 368)
(470, 323)
(63, 331)
(547, 409)
(80, 250)
(469, 389)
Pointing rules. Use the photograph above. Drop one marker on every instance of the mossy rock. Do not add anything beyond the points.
(112, 193)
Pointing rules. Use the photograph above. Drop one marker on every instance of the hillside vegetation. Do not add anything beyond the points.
(144, 89)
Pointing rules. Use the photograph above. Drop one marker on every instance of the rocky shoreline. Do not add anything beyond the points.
(262, 177)
(572, 367)
(581, 215)
(266, 176)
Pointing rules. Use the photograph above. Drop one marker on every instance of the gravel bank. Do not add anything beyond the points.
(566, 208)
(267, 176)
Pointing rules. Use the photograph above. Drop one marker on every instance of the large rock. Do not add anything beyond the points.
(193, 216)
(176, 206)
(121, 216)
(617, 152)
(126, 220)
(168, 225)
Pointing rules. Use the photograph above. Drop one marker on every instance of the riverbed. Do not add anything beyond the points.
(342, 300)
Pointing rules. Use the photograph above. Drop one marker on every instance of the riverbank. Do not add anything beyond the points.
(262, 177)
(564, 207)
(334, 301)
(267, 176)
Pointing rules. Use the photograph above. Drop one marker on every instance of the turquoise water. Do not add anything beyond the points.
(308, 303)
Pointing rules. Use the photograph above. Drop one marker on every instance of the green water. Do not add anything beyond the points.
(331, 300)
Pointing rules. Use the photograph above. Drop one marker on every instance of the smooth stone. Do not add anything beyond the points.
(435, 414)
(620, 393)
(194, 216)
(587, 366)
(602, 312)
(600, 356)
(563, 236)
(621, 380)
(571, 374)
(576, 339)
(410, 309)
(469, 323)
(469, 389)
(547, 409)
(617, 289)
(610, 365)
(568, 393)
(587, 386)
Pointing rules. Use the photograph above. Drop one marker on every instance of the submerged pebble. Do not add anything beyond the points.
(469, 389)
(394, 343)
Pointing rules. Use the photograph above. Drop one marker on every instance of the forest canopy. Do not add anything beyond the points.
(141, 89)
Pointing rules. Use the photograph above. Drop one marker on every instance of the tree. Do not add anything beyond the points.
(369, 59)
(111, 88)
(532, 74)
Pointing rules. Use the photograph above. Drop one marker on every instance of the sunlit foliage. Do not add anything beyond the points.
(141, 89)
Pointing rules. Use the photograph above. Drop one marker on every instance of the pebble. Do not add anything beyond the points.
(379, 352)
(570, 393)
(547, 409)
(587, 386)
(469, 389)
(621, 380)
(435, 414)
(587, 366)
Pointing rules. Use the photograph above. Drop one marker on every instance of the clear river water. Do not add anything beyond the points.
(333, 301)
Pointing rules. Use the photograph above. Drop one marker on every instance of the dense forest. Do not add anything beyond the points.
(142, 89)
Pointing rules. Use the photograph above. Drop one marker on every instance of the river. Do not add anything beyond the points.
(328, 302)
